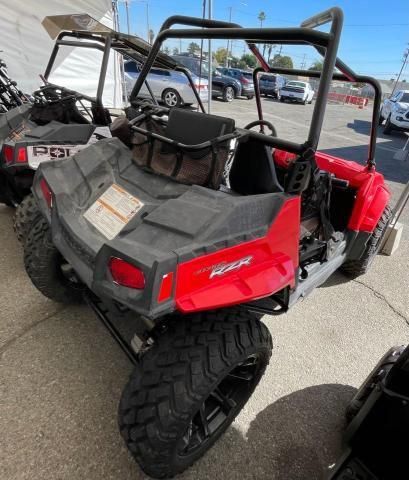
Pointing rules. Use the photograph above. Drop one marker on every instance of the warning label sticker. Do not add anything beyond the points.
(112, 211)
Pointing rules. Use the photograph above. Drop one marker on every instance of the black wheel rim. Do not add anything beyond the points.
(221, 405)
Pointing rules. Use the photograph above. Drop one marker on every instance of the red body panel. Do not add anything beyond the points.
(372, 193)
(245, 272)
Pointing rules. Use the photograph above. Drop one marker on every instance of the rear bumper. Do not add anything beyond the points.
(269, 91)
(247, 92)
(294, 97)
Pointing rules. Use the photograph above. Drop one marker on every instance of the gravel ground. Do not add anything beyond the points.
(61, 375)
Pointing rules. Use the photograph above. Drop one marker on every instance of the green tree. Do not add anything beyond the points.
(221, 56)
(261, 16)
(175, 51)
(283, 61)
(235, 62)
(317, 65)
(193, 48)
(249, 60)
(166, 50)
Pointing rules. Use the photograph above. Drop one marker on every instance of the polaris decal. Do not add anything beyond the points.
(37, 154)
(223, 268)
(43, 153)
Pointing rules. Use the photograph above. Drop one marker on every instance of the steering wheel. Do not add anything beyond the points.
(262, 122)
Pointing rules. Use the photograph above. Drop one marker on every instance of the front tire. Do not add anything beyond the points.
(47, 269)
(189, 387)
(26, 214)
(387, 129)
(171, 98)
(228, 94)
(355, 268)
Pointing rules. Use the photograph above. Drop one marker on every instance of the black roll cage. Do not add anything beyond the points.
(351, 77)
(325, 43)
(121, 44)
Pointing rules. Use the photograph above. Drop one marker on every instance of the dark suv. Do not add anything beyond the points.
(271, 85)
(244, 77)
(222, 86)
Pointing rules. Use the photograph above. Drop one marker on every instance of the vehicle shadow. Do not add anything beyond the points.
(364, 127)
(297, 437)
(393, 170)
(360, 126)
(337, 278)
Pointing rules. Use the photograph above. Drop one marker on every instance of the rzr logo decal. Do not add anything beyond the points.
(223, 268)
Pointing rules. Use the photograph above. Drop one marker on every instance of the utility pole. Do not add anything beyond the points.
(209, 88)
(228, 41)
(147, 19)
(127, 16)
(302, 66)
(405, 60)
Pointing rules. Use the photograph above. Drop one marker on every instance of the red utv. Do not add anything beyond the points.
(151, 229)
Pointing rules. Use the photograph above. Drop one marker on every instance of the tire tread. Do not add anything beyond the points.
(175, 375)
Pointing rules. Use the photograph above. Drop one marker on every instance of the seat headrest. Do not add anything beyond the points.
(191, 128)
(252, 171)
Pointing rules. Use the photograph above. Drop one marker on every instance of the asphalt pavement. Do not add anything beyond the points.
(61, 375)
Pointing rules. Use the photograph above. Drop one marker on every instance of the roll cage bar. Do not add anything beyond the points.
(325, 43)
(347, 76)
(102, 38)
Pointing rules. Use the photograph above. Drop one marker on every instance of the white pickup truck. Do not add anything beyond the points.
(296, 91)
(395, 112)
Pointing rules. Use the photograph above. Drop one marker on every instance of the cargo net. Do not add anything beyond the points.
(10, 95)
(208, 166)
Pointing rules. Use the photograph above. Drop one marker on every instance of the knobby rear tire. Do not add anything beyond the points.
(43, 263)
(186, 365)
(26, 215)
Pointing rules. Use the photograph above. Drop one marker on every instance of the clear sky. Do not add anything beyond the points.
(374, 36)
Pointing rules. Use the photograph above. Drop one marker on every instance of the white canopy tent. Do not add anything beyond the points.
(26, 48)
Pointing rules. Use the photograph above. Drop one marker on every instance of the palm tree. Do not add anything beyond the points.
(261, 17)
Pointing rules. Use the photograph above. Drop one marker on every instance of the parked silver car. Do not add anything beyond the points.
(169, 86)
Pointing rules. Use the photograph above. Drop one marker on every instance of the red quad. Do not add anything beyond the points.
(189, 241)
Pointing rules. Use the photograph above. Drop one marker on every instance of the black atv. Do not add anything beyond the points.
(378, 415)
(61, 122)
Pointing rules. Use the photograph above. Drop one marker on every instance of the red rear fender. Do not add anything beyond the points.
(245, 272)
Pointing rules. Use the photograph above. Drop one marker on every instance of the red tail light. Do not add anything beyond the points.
(8, 153)
(22, 155)
(47, 193)
(244, 80)
(126, 274)
(166, 287)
